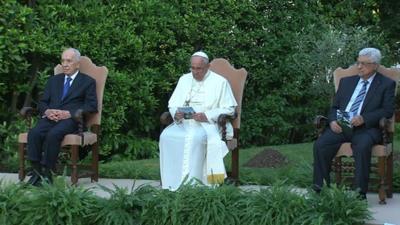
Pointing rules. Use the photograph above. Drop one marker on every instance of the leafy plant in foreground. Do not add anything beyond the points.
(277, 204)
(59, 204)
(335, 206)
(10, 201)
(121, 208)
(193, 205)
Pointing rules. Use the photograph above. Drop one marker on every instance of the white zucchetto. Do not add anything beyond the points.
(201, 54)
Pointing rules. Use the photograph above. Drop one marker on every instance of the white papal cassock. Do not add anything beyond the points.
(191, 149)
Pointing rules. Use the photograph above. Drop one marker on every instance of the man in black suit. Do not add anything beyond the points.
(64, 94)
(366, 97)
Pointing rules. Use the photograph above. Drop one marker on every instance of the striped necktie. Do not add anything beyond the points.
(360, 97)
(67, 85)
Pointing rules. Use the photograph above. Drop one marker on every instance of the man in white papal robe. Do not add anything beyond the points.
(191, 150)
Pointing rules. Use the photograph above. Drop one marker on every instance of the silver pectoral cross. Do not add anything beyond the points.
(186, 103)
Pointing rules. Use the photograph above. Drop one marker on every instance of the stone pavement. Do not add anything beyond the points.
(388, 214)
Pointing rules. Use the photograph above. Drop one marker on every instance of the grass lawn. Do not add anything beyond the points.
(298, 171)
(298, 168)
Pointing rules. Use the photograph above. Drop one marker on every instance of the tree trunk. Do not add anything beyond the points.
(34, 59)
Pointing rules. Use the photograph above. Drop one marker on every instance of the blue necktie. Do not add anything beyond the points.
(360, 97)
(67, 85)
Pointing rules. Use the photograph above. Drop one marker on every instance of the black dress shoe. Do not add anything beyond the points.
(48, 176)
(362, 196)
(35, 179)
(36, 174)
(316, 188)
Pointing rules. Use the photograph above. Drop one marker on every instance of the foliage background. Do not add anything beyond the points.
(289, 48)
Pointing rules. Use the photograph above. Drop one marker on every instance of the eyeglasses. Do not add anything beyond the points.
(364, 63)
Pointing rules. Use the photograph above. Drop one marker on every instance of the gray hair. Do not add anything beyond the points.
(373, 53)
(77, 54)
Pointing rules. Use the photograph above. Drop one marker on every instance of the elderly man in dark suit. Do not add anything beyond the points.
(64, 94)
(366, 97)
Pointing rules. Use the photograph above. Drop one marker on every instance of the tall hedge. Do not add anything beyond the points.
(289, 48)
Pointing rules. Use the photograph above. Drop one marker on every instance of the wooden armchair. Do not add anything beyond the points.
(382, 155)
(75, 142)
(237, 79)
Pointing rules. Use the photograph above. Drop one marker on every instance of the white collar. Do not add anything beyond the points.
(371, 78)
(72, 76)
(204, 78)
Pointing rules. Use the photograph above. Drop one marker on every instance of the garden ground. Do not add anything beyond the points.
(382, 214)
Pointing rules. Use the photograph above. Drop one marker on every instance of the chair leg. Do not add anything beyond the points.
(381, 174)
(95, 162)
(235, 165)
(338, 169)
(21, 157)
(389, 176)
(74, 163)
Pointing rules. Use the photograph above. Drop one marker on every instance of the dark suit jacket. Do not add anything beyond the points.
(378, 103)
(81, 94)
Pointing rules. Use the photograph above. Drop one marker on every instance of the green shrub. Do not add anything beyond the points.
(278, 204)
(335, 206)
(57, 204)
(122, 208)
(14, 47)
(9, 132)
(10, 203)
(289, 48)
(193, 205)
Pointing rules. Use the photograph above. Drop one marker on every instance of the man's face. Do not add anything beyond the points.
(69, 63)
(198, 67)
(366, 68)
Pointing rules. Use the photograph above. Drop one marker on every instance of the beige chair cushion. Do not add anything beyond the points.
(70, 139)
(377, 150)
(74, 139)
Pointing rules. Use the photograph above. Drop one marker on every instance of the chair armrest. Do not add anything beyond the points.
(166, 118)
(27, 111)
(222, 120)
(320, 122)
(385, 123)
(386, 126)
(79, 117)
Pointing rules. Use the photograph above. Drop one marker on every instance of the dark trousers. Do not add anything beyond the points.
(326, 147)
(44, 140)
